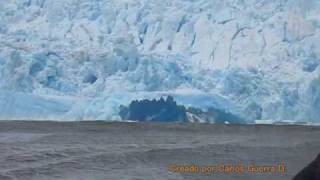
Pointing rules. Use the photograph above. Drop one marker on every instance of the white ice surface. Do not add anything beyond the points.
(81, 59)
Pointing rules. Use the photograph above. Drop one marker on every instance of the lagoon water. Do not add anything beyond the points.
(143, 151)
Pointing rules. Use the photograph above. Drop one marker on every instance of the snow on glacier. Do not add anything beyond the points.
(81, 59)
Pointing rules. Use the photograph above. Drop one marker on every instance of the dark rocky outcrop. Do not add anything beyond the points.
(163, 110)
(167, 110)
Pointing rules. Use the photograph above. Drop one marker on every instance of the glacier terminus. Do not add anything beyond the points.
(83, 59)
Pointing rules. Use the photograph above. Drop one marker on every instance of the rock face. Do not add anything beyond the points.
(256, 59)
(167, 110)
(163, 110)
(311, 172)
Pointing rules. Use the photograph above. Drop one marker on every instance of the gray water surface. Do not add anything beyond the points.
(133, 151)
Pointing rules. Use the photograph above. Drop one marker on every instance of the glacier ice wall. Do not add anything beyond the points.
(81, 59)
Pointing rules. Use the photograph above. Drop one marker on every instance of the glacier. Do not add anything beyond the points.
(82, 59)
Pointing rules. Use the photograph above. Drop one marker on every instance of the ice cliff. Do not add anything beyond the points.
(82, 59)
